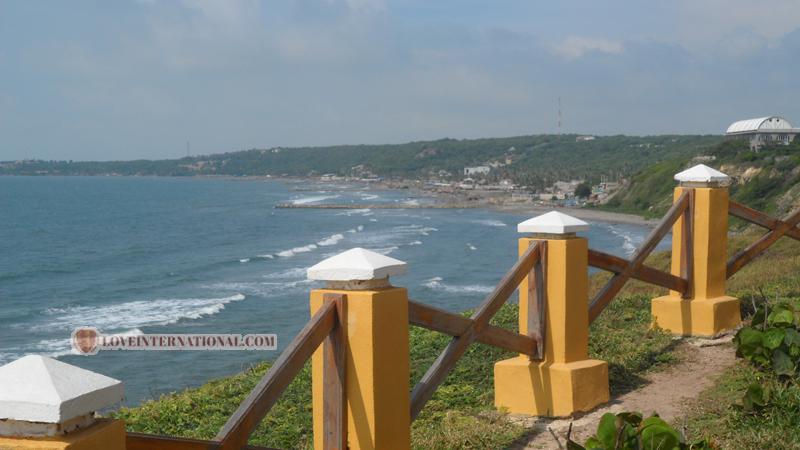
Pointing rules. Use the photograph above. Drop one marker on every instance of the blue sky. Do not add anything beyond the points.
(105, 80)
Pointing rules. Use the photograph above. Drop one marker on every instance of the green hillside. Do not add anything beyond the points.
(767, 180)
(534, 161)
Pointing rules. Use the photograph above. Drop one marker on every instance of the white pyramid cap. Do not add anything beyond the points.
(356, 264)
(701, 173)
(40, 389)
(553, 222)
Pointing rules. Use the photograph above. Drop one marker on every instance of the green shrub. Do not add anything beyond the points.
(772, 341)
(629, 431)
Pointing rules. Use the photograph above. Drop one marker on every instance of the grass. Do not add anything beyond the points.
(717, 414)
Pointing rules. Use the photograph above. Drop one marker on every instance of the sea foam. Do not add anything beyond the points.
(437, 284)
(137, 314)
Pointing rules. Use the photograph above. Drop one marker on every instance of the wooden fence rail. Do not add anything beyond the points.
(237, 430)
(616, 283)
(777, 228)
(479, 321)
(457, 325)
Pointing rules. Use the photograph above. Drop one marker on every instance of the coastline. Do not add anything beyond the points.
(491, 200)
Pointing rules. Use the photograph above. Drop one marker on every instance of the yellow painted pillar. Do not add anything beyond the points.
(707, 311)
(48, 404)
(566, 380)
(376, 347)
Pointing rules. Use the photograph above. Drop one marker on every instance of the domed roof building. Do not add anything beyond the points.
(770, 130)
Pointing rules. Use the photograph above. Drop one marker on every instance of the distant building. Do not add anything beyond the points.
(477, 170)
(763, 131)
(584, 138)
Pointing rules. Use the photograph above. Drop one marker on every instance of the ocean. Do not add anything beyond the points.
(199, 255)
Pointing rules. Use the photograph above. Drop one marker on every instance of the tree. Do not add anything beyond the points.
(583, 190)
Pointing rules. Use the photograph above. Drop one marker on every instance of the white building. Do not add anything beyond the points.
(762, 131)
(477, 170)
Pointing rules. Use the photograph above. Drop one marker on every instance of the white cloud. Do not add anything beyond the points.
(706, 25)
(576, 46)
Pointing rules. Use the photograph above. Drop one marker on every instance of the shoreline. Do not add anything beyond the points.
(489, 200)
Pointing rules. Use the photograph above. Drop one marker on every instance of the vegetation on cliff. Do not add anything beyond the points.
(535, 161)
(767, 180)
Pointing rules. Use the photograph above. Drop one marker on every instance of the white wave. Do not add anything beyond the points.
(331, 240)
(373, 220)
(630, 242)
(262, 288)
(267, 256)
(395, 236)
(471, 247)
(136, 314)
(293, 251)
(385, 250)
(245, 260)
(313, 199)
(415, 243)
(369, 196)
(55, 348)
(295, 272)
(356, 229)
(350, 212)
(436, 283)
(413, 202)
(489, 222)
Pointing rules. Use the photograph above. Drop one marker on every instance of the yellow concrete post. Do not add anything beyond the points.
(48, 404)
(104, 434)
(376, 348)
(566, 380)
(707, 311)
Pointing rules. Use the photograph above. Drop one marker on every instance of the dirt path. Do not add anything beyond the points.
(666, 393)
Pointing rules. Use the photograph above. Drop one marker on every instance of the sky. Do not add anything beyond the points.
(108, 80)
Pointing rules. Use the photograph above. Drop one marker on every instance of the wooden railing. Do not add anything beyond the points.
(624, 270)
(776, 227)
(478, 328)
(325, 327)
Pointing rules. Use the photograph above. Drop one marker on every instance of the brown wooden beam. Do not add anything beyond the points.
(644, 273)
(746, 255)
(537, 303)
(687, 247)
(334, 404)
(759, 218)
(455, 349)
(453, 324)
(615, 284)
(237, 430)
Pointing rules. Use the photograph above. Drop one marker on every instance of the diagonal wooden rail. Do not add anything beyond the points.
(777, 229)
(615, 284)
(757, 217)
(237, 430)
(479, 321)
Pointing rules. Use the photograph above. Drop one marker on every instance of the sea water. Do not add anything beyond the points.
(197, 255)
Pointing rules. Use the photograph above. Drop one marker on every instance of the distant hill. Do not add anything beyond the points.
(768, 180)
(534, 161)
